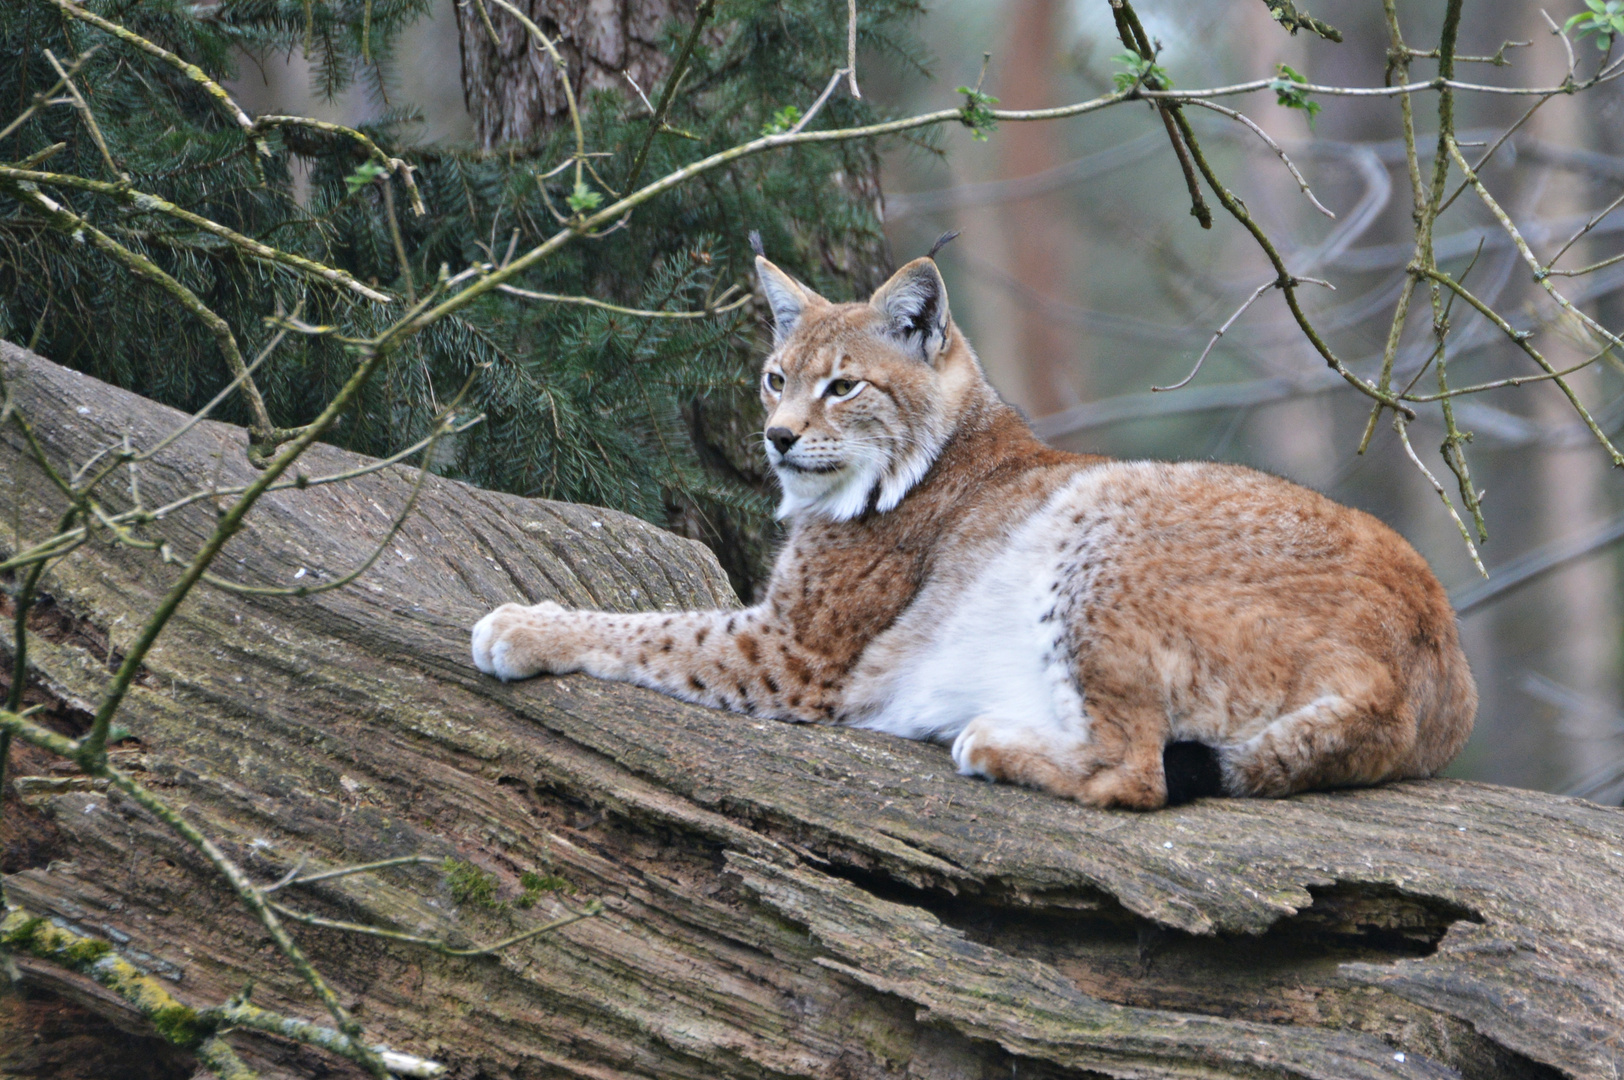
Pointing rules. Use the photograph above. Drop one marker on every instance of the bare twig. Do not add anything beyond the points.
(679, 69)
(834, 81)
(145, 202)
(1542, 274)
(1591, 224)
(397, 166)
(1404, 436)
(70, 223)
(1520, 339)
(1281, 154)
(43, 98)
(216, 92)
(586, 301)
(851, 47)
(89, 117)
(435, 944)
(94, 763)
(294, 877)
(1202, 359)
(1134, 37)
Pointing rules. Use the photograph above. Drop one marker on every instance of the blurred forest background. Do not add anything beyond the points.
(1083, 281)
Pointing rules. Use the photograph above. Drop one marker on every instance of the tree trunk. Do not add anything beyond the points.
(512, 88)
(779, 901)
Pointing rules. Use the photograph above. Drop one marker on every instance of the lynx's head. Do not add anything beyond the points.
(860, 397)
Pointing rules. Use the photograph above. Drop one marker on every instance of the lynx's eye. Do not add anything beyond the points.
(775, 381)
(840, 388)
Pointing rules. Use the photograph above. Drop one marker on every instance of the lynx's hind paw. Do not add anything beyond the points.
(509, 642)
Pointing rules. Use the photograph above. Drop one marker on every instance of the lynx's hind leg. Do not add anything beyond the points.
(1333, 741)
(1112, 772)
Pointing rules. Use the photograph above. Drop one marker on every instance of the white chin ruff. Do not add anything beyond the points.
(838, 496)
(843, 495)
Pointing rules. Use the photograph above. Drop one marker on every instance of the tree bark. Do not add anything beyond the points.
(512, 87)
(780, 901)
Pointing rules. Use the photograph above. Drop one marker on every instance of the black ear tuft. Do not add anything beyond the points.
(941, 242)
(755, 243)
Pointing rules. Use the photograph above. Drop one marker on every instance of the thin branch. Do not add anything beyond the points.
(834, 81)
(563, 77)
(293, 876)
(587, 301)
(851, 46)
(679, 68)
(43, 98)
(66, 221)
(225, 391)
(442, 427)
(435, 944)
(1606, 75)
(89, 117)
(98, 960)
(1202, 359)
(397, 166)
(1281, 154)
(95, 764)
(1499, 59)
(1404, 435)
(1520, 339)
(230, 522)
(227, 104)
(1591, 224)
(153, 204)
(1501, 384)
(485, 17)
(242, 1014)
(1286, 14)
(1541, 273)
(1288, 281)
(395, 238)
(1592, 268)
(1134, 37)
(54, 546)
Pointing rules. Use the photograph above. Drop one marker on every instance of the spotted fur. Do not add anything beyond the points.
(1058, 618)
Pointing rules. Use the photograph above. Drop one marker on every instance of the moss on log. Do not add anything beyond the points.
(780, 901)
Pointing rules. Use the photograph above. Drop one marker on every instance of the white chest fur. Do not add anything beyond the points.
(989, 636)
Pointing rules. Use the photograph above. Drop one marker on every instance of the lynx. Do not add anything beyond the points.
(1061, 619)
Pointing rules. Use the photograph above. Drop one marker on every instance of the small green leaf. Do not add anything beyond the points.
(363, 175)
(782, 121)
(584, 198)
(977, 113)
(1605, 19)
(1293, 97)
(1138, 71)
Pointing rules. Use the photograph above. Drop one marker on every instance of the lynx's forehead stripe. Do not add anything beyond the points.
(835, 372)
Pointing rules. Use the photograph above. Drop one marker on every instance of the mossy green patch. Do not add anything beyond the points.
(535, 884)
(179, 1024)
(84, 952)
(471, 885)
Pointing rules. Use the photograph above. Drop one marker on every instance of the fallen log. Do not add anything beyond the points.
(778, 900)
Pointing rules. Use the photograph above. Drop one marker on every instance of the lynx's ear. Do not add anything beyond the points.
(788, 298)
(914, 304)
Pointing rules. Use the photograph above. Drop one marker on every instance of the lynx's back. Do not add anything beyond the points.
(1060, 619)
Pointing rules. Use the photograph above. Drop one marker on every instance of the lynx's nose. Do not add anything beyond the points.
(782, 438)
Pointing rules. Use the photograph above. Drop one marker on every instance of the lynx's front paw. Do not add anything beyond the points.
(516, 642)
(975, 751)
